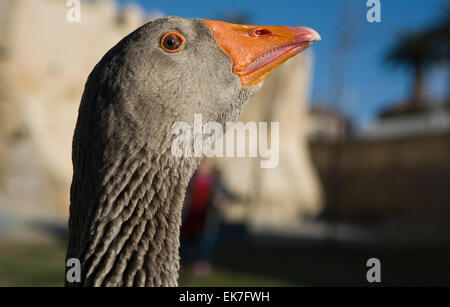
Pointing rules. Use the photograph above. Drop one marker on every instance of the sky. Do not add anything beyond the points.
(367, 85)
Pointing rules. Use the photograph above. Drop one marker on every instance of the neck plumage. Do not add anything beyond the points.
(127, 190)
(125, 216)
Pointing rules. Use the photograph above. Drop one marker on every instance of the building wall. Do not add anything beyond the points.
(386, 176)
(326, 126)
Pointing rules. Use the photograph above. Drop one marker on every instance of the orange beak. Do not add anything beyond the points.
(257, 50)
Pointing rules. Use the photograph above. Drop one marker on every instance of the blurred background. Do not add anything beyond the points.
(364, 167)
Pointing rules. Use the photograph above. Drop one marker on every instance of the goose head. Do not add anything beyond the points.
(172, 68)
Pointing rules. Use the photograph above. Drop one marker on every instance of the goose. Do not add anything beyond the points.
(127, 187)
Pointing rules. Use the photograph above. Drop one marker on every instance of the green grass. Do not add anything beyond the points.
(33, 264)
(30, 264)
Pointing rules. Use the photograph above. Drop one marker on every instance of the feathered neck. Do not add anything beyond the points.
(127, 188)
(125, 215)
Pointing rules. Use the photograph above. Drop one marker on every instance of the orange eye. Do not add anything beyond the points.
(172, 41)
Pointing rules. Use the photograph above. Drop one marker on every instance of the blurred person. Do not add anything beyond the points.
(205, 196)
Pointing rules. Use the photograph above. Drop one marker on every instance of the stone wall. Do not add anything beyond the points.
(44, 62)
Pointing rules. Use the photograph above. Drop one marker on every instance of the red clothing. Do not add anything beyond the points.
(200, 190)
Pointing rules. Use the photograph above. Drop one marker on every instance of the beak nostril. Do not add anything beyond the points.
(261, 32)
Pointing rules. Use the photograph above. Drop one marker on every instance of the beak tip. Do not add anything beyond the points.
(312, 35)
(316, 36)
(306, 34)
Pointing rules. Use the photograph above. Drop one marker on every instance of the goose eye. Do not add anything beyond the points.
(172, 41)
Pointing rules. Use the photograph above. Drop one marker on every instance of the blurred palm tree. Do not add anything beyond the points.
(419, 50)
(415, 52)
